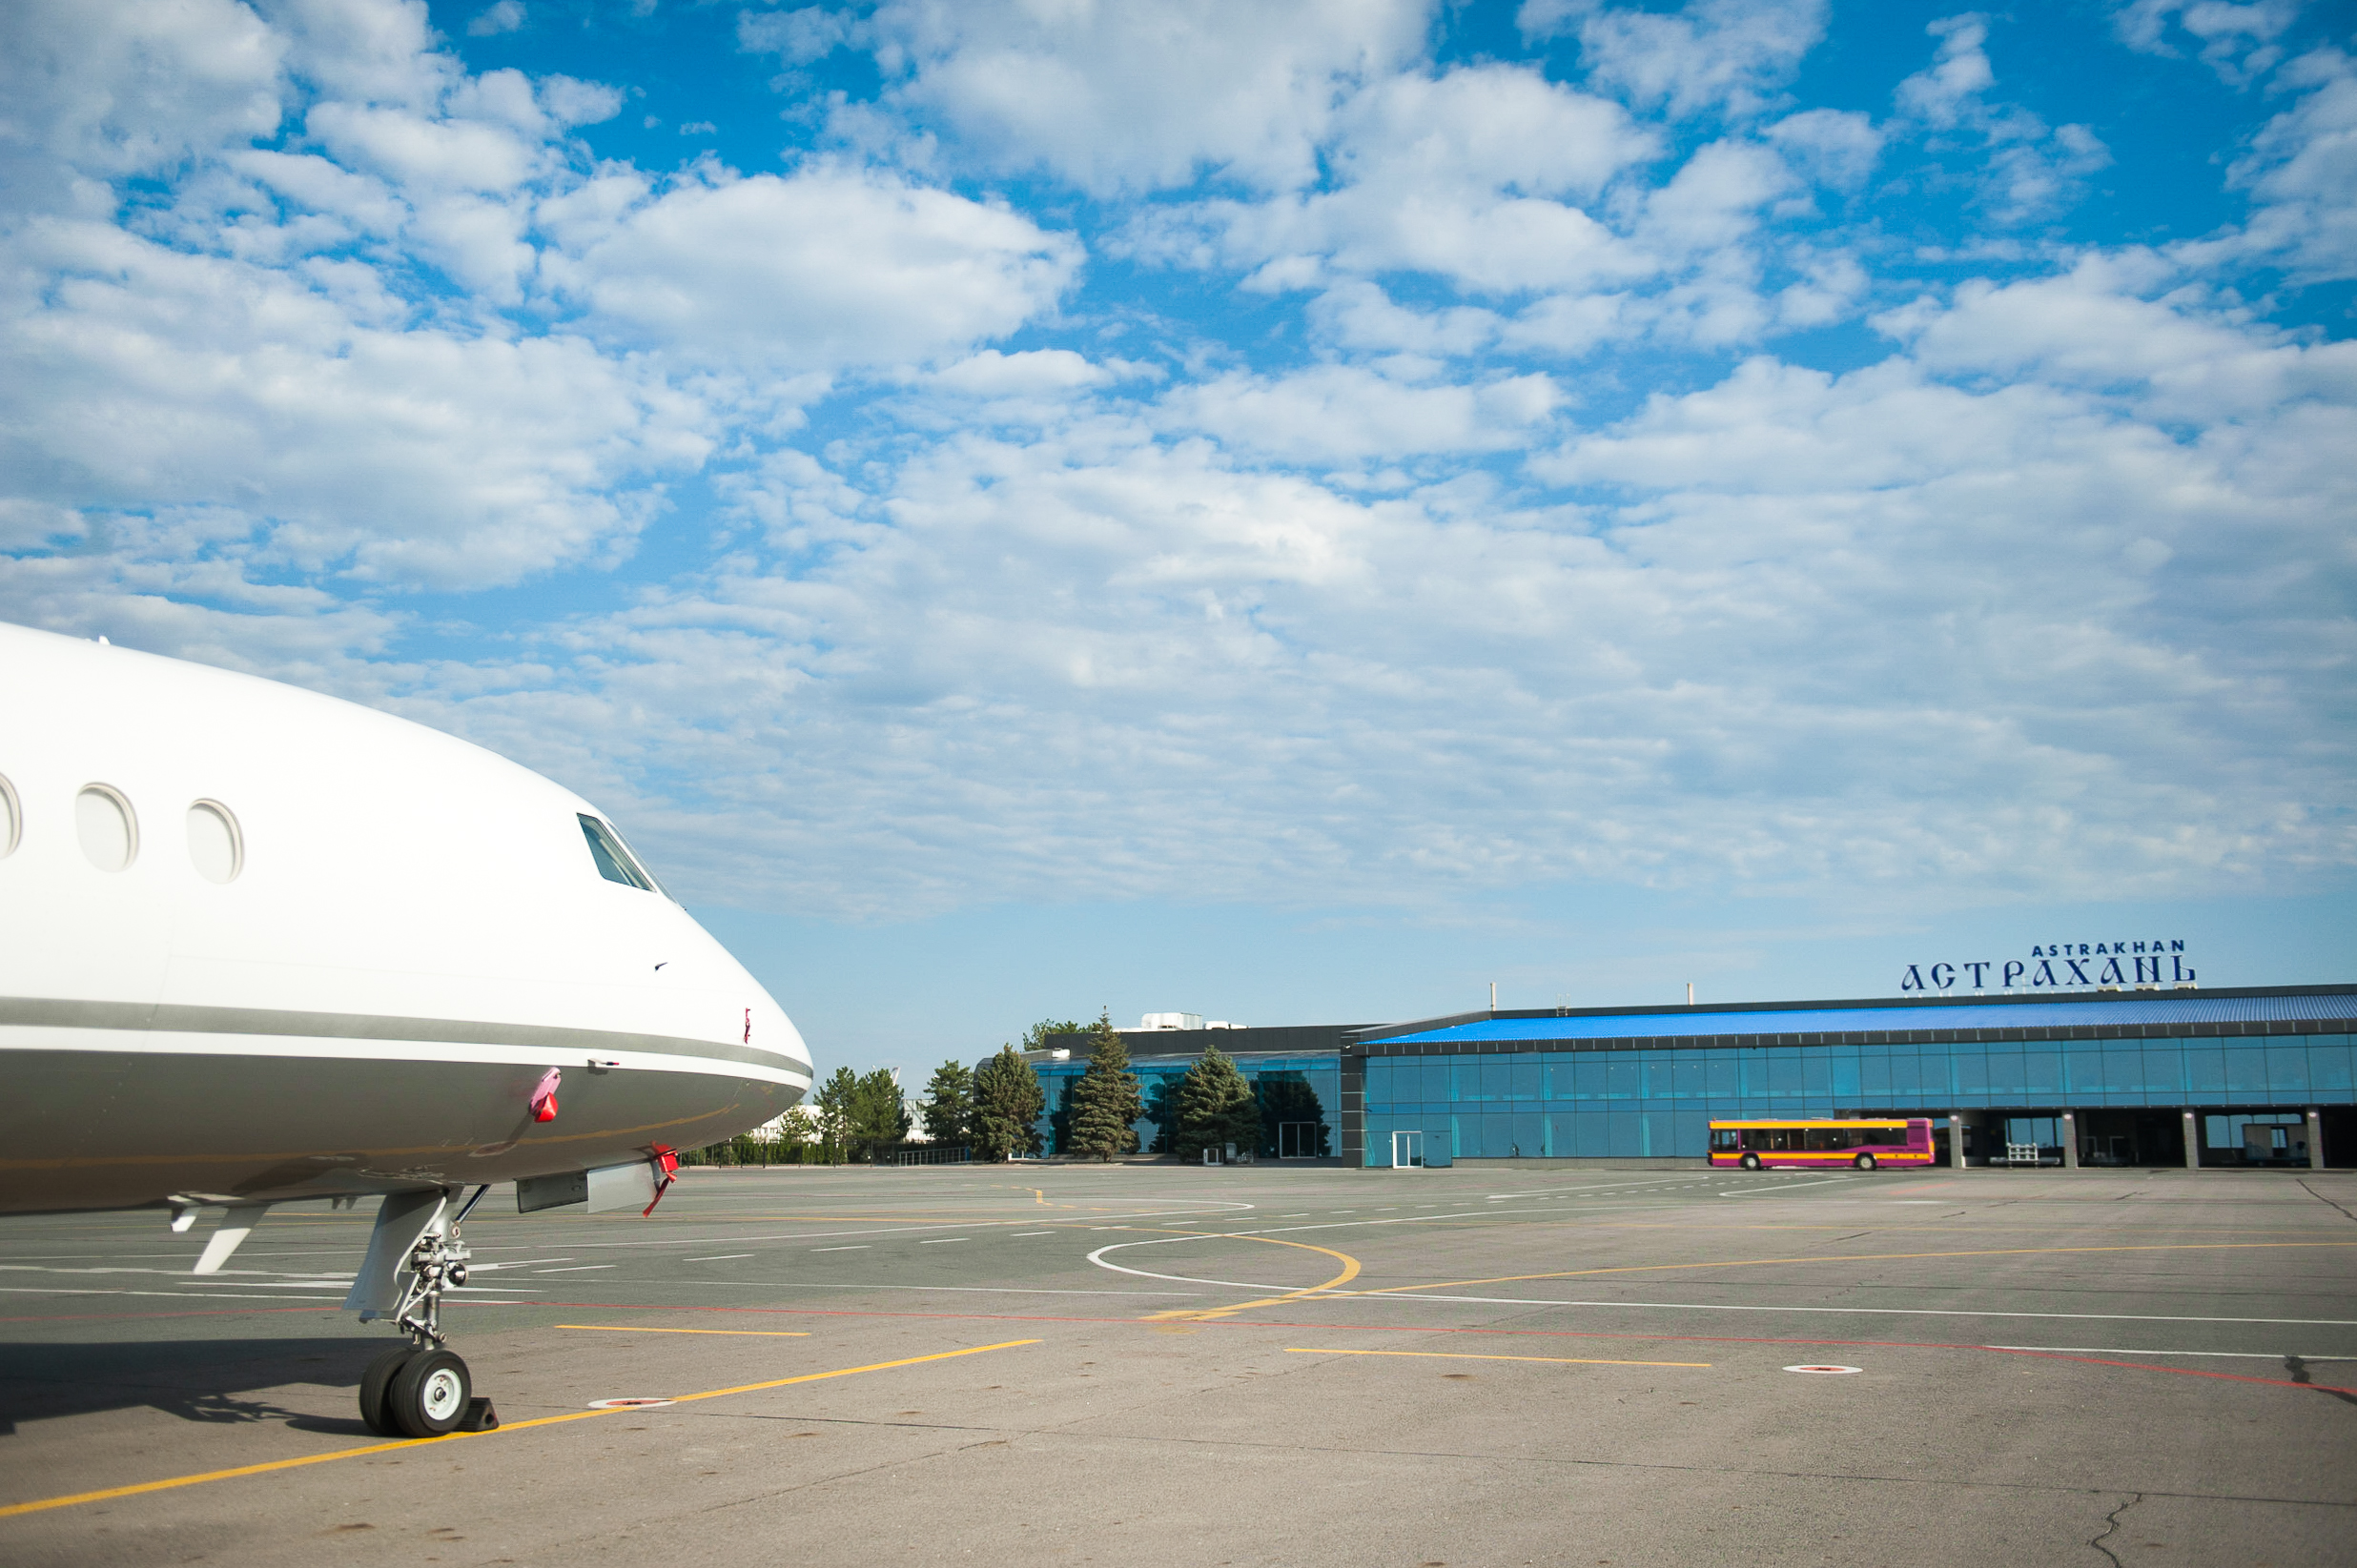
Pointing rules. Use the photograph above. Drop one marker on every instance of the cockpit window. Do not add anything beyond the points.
(615, 862)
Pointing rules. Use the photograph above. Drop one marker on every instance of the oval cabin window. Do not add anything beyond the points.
(11, 819)
(109, 831)
(213, 842)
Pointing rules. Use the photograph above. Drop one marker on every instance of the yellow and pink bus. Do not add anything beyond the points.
(1865, 1143)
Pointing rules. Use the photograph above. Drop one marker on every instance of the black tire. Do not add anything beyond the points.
(1749, 1162)
(428, 1395)
(1864, 1162)
(375, 1381)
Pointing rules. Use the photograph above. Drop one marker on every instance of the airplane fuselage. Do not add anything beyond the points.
(257, 943)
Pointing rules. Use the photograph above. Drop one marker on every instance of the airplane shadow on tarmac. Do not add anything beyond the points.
(195, 1380)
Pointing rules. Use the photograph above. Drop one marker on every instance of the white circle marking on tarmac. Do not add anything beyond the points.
(627, 1404)
(1828, 1372)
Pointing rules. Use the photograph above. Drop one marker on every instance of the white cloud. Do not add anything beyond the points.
(1115, 96)
(2237, 41)
(1811, 631)
(990, 374)
(570, 101)
(824, 269)
(1361, 315)
(1731, 55)
(2093, 328)
(365, 51)
(505, 17)
(1323, 592)
(434, 153)
(149, 378)
(2030, 170)
(1832, 146)
(1942, 95)
(130, 88)
(2302, 173)
(1344, 413)
(1463, 177)
(797, 37)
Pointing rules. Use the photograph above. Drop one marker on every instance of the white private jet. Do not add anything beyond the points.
(259, 945)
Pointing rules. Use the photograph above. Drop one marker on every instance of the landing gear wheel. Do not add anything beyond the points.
(428, 1395)
(375, 1382)
(1864, 1162)
(1749, 1162)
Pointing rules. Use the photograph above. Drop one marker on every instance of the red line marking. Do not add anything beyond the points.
(1395, 1328)
(1272, 1323)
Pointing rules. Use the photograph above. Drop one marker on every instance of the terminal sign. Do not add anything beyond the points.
(2061, 965)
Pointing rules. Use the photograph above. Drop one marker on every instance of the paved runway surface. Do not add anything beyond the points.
(1147, 1365)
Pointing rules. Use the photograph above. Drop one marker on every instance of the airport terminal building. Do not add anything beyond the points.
(2228, 1078)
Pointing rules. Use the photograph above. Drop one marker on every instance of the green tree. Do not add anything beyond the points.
(1287, 1097)
(834, 1103)
(1007, 1103)
(795, 1137)
(1107, 1100)
(1035, 1037)
(879, 1118)
(948, 1104)
(1215, 1107)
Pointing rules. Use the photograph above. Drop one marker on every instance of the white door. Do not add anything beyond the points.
(1406, 1150)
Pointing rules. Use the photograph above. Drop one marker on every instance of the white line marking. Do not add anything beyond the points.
(954, 1290)
(175, 1295)
(1018, 1232)
(1605, 1186)
(861, 1248)
(1787, 1186)
(581, 1268)
(717, 1257)
(1864, 1312)
(2101, 1349)
(943, 1241)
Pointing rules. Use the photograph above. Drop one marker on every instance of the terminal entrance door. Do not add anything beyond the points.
(1406, 1150)
(1297, 1140)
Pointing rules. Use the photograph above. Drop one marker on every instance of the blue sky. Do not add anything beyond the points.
(1289, 513)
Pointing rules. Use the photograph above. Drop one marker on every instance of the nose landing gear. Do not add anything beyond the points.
(422, 1389)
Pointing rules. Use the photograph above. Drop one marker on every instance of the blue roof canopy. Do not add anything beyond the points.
(1868, 1018)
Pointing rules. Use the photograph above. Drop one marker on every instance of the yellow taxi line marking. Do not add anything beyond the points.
(740, 1334)
(1350, 1272)
(1457, 1355)
(1845, 1257)
(74, 1499)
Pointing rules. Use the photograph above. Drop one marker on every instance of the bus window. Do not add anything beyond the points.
(1725, 1140)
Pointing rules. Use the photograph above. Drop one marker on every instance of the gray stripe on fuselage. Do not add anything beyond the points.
(52, 1012)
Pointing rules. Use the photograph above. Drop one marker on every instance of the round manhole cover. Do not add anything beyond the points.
(1827, 1371)
(626, 1404)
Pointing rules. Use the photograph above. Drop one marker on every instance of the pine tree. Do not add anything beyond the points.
(834, 1102)
(1007, 1103)
(1107, 1100)
(1215, 1107)
(1289, 1098)
(948, 1104)
(879, 1118)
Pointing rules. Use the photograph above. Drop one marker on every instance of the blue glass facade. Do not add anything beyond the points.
(1643, 1102)
(2144, 1077)
(1303, 1089)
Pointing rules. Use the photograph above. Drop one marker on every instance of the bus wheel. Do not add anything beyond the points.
(1751, 1162)
(1864, 1162)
